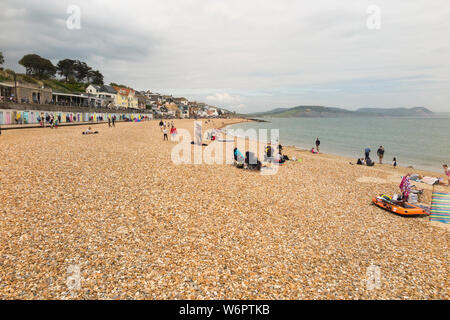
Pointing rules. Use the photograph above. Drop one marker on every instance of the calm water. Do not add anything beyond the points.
(422, 143)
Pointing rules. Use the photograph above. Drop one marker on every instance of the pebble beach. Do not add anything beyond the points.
(136, 226)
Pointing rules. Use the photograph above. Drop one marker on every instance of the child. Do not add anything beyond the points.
(394, 162)
(447, 173)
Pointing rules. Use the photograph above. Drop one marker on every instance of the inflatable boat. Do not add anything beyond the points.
(402, 209)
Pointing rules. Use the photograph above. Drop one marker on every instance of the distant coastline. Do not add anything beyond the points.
(331, 112)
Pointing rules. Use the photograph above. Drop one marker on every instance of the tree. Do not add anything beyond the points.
(2, 59)
(96, 77)
(82, 71)
(37, 66)
(66, 68)
(113, 84)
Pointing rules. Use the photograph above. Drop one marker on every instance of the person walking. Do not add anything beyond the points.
(173, 133)
(380, 154)
(447, 173)
(317, 145)
(394, 162)
(109, 121)
(114, 121)
(165, 138)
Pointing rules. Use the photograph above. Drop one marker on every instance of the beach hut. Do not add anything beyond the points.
(32, 117)
(7, 119)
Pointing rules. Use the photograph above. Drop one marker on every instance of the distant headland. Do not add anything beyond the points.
(331, 112)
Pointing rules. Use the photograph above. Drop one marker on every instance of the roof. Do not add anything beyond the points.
(123, 91)
(108, 89)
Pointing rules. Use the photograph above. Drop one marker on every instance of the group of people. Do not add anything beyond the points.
(271, 155)
(112, 121)
(50, 119)
(163, 125)
(369, 162)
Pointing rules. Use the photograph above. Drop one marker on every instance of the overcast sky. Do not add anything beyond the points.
(249, 55)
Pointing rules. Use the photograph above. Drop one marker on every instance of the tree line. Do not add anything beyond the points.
(70, 70)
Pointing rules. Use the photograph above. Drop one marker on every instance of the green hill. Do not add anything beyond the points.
(324, 112)
(55, 85)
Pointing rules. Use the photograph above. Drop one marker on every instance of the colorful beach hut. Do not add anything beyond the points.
(440, 207)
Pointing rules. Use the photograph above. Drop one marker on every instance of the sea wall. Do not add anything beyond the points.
(14, 113)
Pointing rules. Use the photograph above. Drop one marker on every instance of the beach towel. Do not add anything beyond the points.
(440, 207)
(429, 180)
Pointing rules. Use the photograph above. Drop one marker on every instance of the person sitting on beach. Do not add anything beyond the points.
(252, 161)
(369, 162)
(361, 162)
(313, 151)
(279, 159)
(89, 131)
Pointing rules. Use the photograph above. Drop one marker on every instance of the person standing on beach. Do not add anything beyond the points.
(114, 121)
(173, 133)
(109, 121)
(367, 153)
(280, 149)
(405, 187)
(447, 173)
(318, 145)
(394, 162)
(380, 154)
(165, 138)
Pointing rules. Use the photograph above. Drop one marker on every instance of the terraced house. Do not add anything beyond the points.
(126, 98)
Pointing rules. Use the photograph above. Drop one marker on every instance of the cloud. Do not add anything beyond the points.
(223, 98)
(258, 53)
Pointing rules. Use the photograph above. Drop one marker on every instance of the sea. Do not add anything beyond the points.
(423, 143)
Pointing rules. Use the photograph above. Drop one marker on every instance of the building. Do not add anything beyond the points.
(69, 99)
(143, 101)
(126, 98)
(107, 95)
(182, 101)
(93, 89)
(26, 93)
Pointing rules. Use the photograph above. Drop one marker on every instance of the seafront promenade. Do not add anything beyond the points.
(110, 216)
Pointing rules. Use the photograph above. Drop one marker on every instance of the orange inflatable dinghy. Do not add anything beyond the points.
(405, 210)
